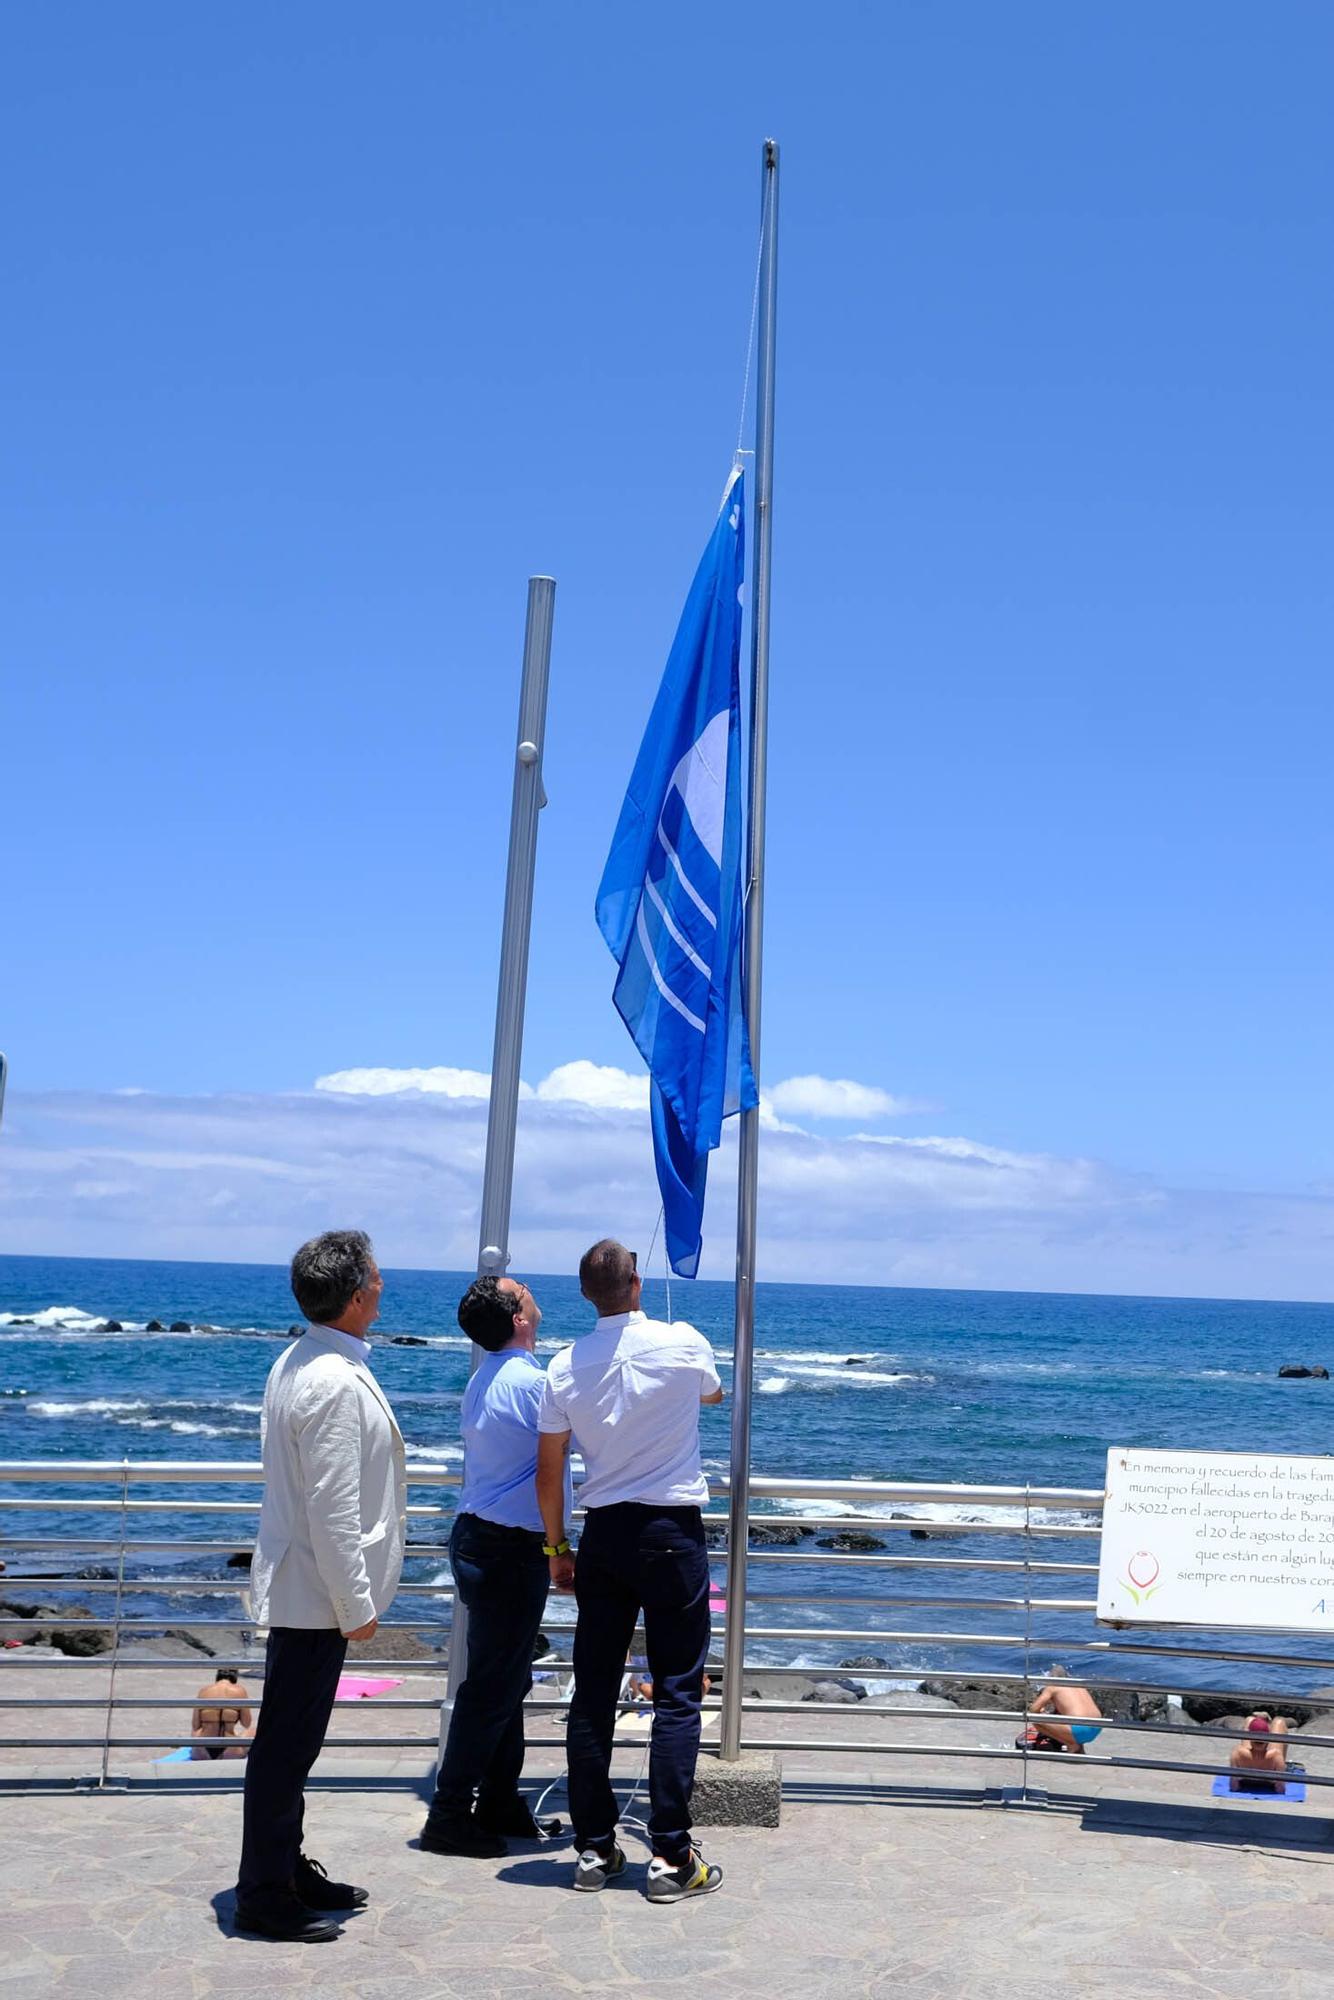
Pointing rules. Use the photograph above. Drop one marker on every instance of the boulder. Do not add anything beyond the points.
(407, 1340)
(109, 1326)
(23, 1322)
(843, 1693)
(779, 1538)
(240, 1560)
(295, 1332)
(850, 1541)
(1294, 1371)
(95, 1573)
(155, 1326)
(1229, 1711)
(180, 1326)
(868, 1662)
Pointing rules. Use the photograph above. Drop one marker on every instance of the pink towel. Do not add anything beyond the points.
(352, 1685)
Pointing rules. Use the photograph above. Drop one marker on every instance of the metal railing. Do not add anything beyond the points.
(1035, 1552)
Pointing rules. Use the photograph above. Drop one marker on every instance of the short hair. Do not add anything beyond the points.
(606, 1275)
(329, 1271)
(487, 1314)
(228, 1674)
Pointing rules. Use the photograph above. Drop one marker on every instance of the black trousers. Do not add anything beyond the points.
(634, 1557)
(301, 1670)
(501, 1575)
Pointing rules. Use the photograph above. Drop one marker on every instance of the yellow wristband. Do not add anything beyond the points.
(561, 1549)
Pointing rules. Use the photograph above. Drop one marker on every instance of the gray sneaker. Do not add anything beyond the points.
(594, 1870)
(695, 1877)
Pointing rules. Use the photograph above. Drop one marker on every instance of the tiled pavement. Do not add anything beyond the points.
(1132, 1883)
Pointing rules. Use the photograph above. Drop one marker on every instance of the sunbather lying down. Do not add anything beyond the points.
(1071, 1717)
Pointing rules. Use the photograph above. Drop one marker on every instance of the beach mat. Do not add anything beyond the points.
(360, 1687)
(1295, 1791)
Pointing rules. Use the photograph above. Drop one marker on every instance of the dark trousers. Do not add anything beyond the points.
(634, 1557)
(301, 1670)
(501, 1575)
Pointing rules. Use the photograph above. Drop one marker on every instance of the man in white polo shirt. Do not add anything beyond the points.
(629, 1394)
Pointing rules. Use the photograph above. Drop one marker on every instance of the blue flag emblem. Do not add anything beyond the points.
(669, 904)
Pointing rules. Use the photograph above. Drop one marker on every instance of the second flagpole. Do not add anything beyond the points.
(743, 1345)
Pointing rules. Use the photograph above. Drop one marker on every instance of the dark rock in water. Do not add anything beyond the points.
(541, 1646)
(839, 1692)
(1298, 1372)
(180, 1326)
(855, 1360)
(241, 1560)
(782, 1538)
(850, 1541)
(23, 1322)
(155, 1326)
(864, 1661)
(407, 1340)
(109, 1326)
(95, 1573)
(295, 1332)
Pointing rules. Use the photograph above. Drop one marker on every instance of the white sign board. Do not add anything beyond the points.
(1218, 1538)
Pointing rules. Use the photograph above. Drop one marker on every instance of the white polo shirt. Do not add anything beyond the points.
(630, 1391)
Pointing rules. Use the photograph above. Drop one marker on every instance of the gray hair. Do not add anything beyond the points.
(329, 1270)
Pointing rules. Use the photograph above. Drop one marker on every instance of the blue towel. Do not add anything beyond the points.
(1222, 1789)
(174, 1757)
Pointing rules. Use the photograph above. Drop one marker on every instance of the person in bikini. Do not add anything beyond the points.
(1071, 1717)
(222, 1714)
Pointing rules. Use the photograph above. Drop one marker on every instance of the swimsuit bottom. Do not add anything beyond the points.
(1084, 1732)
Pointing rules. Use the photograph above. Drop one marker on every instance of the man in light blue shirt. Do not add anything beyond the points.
(501, 1572)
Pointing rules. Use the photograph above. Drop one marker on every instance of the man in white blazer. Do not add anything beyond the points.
(326, 1565)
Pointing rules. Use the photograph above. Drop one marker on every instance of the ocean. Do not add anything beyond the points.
(1004, 1388)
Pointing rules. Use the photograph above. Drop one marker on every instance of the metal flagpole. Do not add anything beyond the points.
(752, 955)
(502, 1117)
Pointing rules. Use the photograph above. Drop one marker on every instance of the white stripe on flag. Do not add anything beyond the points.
(685, 880)
(684, 942)
(658, 980)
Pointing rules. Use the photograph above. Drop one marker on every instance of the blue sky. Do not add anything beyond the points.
(328, 326)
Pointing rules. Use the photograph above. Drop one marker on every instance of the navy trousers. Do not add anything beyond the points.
(634, 1557)
(501, 1575)
(301, 1670)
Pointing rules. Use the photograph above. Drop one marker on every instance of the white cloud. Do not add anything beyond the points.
(599, 1085)
(437, 1082)
(836, 1097)
(247, 1177)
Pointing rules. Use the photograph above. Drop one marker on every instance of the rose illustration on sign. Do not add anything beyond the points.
(1141, 1577)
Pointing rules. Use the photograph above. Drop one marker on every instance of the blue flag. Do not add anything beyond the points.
(669, 904)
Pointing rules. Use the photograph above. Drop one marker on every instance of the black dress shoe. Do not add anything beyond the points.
(317, 1892)
(516, 1819)
(290, 1921)
(463, 1835)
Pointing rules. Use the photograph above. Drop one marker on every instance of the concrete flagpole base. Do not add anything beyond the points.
(747, 1791)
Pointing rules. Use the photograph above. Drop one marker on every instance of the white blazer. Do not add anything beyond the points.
(330, 1546)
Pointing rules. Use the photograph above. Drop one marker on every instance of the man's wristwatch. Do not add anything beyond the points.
(561, 1548)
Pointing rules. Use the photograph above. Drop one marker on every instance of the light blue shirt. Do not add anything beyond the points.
(350, 1344)
(500, 1406)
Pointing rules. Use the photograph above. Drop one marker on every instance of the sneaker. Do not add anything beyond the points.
(462, 1835)
(289, 1921)
(317, 1892)
(695, 1877)
(594, 1870)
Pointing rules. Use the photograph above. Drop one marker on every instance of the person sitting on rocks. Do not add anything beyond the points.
(1081, 1717)
(222, 1713)
(1260, 1761)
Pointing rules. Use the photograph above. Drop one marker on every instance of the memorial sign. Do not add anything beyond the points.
(1218, 1538)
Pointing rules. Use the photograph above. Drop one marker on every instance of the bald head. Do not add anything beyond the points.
(608, 1279)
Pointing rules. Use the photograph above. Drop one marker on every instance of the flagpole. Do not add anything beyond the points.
(743, 1344)
(503, 1112)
